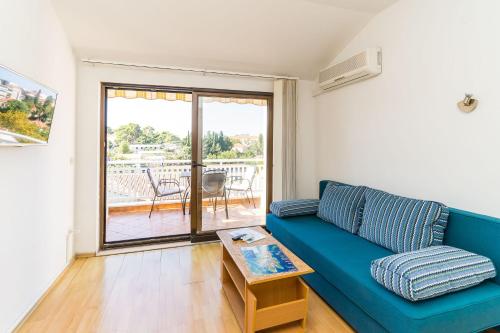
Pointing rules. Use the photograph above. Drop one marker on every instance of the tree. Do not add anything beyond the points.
(128, 133)
(146, 136)
(36, 101)
(215, 143)
(124, 147)
(47, 110)
(228, 154)
(166, 137)
(187, 140)
(185, 151)
(17, 121)
(256, 148)
(15, 105)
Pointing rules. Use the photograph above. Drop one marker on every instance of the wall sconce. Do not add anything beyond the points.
(468, 104)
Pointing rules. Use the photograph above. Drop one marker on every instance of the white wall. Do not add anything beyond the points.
(36, 183)
(87, 168)
(402, 131)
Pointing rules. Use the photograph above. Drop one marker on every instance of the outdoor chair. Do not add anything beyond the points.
(164, 188)
(243, 183)
(213, 184)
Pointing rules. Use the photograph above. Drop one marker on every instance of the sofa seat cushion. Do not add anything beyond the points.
(287, 208)
(402, 224)
(431, 272)
(344, 260)
(343, 206)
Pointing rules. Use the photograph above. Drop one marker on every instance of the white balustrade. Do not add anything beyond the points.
(127, 181)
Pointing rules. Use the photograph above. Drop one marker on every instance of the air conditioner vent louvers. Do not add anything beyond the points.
(344, 67)
(359, 67)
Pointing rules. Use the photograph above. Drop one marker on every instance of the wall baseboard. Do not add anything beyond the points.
(44, 295)
(85, 255)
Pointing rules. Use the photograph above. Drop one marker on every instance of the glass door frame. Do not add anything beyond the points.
(196, 235)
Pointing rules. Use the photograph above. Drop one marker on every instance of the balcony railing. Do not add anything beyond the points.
(128, 183)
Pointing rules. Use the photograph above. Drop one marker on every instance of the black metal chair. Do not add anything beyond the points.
(164, 188)
(213, 184)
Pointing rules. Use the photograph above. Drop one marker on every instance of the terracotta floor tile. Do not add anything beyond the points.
(133, 225)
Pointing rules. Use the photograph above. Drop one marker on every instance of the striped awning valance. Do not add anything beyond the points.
(131, 94)
(170, 96)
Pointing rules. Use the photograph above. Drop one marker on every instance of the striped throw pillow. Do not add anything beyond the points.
(288, 208)
(440, 225)
(342, 206)
(431, 272)
(402, 224)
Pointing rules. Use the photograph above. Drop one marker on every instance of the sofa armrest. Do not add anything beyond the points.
(287, 208)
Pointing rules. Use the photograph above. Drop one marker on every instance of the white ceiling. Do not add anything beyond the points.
(282, 37)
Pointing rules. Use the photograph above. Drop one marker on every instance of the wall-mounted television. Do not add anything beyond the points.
(26, 110)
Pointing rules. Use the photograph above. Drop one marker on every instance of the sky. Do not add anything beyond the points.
(24, 83)
(175, 116)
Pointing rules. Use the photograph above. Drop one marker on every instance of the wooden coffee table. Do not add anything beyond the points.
(260, 302)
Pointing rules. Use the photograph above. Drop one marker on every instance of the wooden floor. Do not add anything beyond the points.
(133, 225)
(170, 290)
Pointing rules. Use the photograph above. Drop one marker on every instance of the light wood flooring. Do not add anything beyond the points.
(169, 290)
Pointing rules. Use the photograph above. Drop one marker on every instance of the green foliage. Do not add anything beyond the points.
(134, 134)
(33, 107)
(15, 105)
(147, 136)
(127, 133)
(187, 140)
(18, 122)
(228, 154)
(150, 137)
(215, 143)
(28, 117)
(124, 147)
(184, 150)
(256, 148)
(47, 110)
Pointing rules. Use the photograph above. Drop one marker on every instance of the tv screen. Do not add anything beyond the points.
(26, 109)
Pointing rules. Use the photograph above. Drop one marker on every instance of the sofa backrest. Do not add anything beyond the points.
(323, 183)
(469, 231)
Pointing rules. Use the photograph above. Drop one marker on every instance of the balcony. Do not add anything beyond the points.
(129, 197)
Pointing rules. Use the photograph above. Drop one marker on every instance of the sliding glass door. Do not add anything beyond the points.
(179, 164)
(232, 160)
(147, 164)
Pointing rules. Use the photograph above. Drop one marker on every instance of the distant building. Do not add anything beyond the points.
(245, 139)
(15, 92)
(4, 93)
(152, 148)
(240, 148)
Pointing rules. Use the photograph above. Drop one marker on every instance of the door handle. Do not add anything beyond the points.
(195, 164)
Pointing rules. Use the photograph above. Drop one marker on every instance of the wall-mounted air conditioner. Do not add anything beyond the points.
(359, 67)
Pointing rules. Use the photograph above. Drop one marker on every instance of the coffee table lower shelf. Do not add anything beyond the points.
(279, 302)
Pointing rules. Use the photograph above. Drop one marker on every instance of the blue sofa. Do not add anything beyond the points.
(341, 261)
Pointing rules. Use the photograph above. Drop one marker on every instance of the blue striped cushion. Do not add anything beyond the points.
(402, 224)
(287, 208)
(342, 206)
(440, 225)
(431, 272)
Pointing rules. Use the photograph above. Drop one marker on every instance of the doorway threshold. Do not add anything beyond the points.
(151, 247)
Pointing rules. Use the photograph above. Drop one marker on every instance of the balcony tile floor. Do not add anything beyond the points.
(135, 225)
